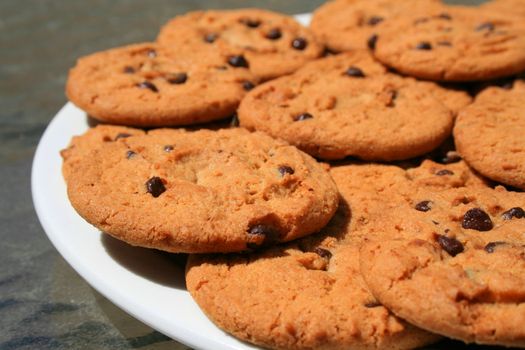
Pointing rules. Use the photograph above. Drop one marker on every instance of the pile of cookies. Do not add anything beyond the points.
(317, 186)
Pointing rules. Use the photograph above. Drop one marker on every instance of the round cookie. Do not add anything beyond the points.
(489, 134)
(203, 191)
(453, 44)
(307, 294)
(268, 43)
(347, 105)
(454, 264)
(145, 85)
(345, 25)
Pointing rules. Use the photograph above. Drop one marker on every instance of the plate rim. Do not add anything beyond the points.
(184, 335)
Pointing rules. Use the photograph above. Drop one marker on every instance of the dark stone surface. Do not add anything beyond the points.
(44, 304)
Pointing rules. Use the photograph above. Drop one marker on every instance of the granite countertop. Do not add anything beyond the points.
(44, 303)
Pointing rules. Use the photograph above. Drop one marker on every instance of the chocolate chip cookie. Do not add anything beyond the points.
(453, 44)
(489, 134)
(344, 25)
(202, 191)
(308, 294)
(144, 85)
(454, 264)
(269, 44)
(348, 105)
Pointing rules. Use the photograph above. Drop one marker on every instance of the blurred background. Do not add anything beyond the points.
(44, 304)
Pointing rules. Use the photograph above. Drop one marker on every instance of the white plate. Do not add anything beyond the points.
(146, 284)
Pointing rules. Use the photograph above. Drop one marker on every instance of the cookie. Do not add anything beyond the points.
(268, 43)
(307, 294)
(454, 264)
(489, 134)
(348, 105)
(80, 146)
(144, 85)
(202, 191)
(453, 44)
(345, 25)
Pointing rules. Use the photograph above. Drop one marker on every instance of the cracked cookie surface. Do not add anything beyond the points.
(202, 191)
(348, 105)
(145, 85)
(269, 44)
(489, 134)
(453, 263)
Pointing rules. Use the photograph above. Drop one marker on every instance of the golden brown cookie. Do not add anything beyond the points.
(453, 44)
(452, 262)
(145, 85)
(309, 294)
(490, 134)
(348, 105)
(345, 25)
(268, 43)
(203, 191)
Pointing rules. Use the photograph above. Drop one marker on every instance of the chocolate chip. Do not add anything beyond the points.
(285, 169)
(327, 52)
(372, 21)
(372, 304)
(424, 206)
(323, 253)
(260, 235)
(489, 248)
(168, 148)
(299, 43)
(477, 219)
(179, 78)
(371, 42)
(303, 116)
(121, 135)
(451, 245)
(515, 212)
(485, 26)
(451, 157)
(210, 37)
(235, 121)
(247, 85)
(129, 70)
(355, 72)
(148, 85)
(444, 16)
(444, 172)
(238, 61)
(130, 154)
(424, 45)
(152, 53)
(252, 23)
(155, 186)
(444, 43)
(274, 34)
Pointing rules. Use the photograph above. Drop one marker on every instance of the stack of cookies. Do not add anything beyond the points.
(353, 185)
